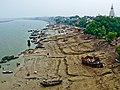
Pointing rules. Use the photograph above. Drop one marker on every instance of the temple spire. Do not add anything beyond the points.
(112, 13)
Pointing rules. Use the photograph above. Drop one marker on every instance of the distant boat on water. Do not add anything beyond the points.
(7, 72)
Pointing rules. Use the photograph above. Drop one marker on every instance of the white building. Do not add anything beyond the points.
(112, 13)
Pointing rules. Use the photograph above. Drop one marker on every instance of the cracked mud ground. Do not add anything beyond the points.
(61, 59)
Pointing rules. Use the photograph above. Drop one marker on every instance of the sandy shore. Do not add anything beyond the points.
(61, 59)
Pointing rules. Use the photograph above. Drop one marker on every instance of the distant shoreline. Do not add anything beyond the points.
(5, 21)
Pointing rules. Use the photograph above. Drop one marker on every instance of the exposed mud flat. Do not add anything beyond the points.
(61, 59)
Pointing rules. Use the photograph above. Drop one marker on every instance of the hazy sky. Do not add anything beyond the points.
(28, 8)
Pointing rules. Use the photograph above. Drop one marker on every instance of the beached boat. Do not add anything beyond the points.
(92, 61)
(30, 30)
(51, 83)
(117, 60)
(3, 61)
(39, 45)
(34, 34)
(8, 58)
(7, 72)
(33, 37)
(33, 30)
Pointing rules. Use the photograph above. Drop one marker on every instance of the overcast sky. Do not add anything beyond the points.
(30, 8)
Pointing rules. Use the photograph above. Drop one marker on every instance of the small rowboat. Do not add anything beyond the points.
(7, 72)
(51, 83)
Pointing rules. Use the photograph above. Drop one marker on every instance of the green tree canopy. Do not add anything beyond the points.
(110, 36)
(103, 22)
(82, 22)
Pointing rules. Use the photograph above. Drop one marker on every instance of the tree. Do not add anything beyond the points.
(102, 25)
(82, 22)
(101, 31)
(90, 28)
(110, 36)
(59, 19)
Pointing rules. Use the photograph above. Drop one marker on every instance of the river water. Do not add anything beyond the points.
(13, 40)
(14, 35)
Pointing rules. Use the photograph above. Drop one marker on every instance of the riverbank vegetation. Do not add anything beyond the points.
(73, 20)
(100, 26)
(104, 26)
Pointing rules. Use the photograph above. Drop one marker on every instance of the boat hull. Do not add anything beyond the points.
(51, 83)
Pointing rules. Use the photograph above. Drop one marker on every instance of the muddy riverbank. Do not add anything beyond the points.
(61, 59)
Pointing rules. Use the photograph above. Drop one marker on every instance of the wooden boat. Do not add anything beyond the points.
(7, 72)
(92, 61)
(51, 83)
(9, 57)
(34, 37)
(3, 61)
(30, 30)
(117, 60)
(33, 41)
(39, 45)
